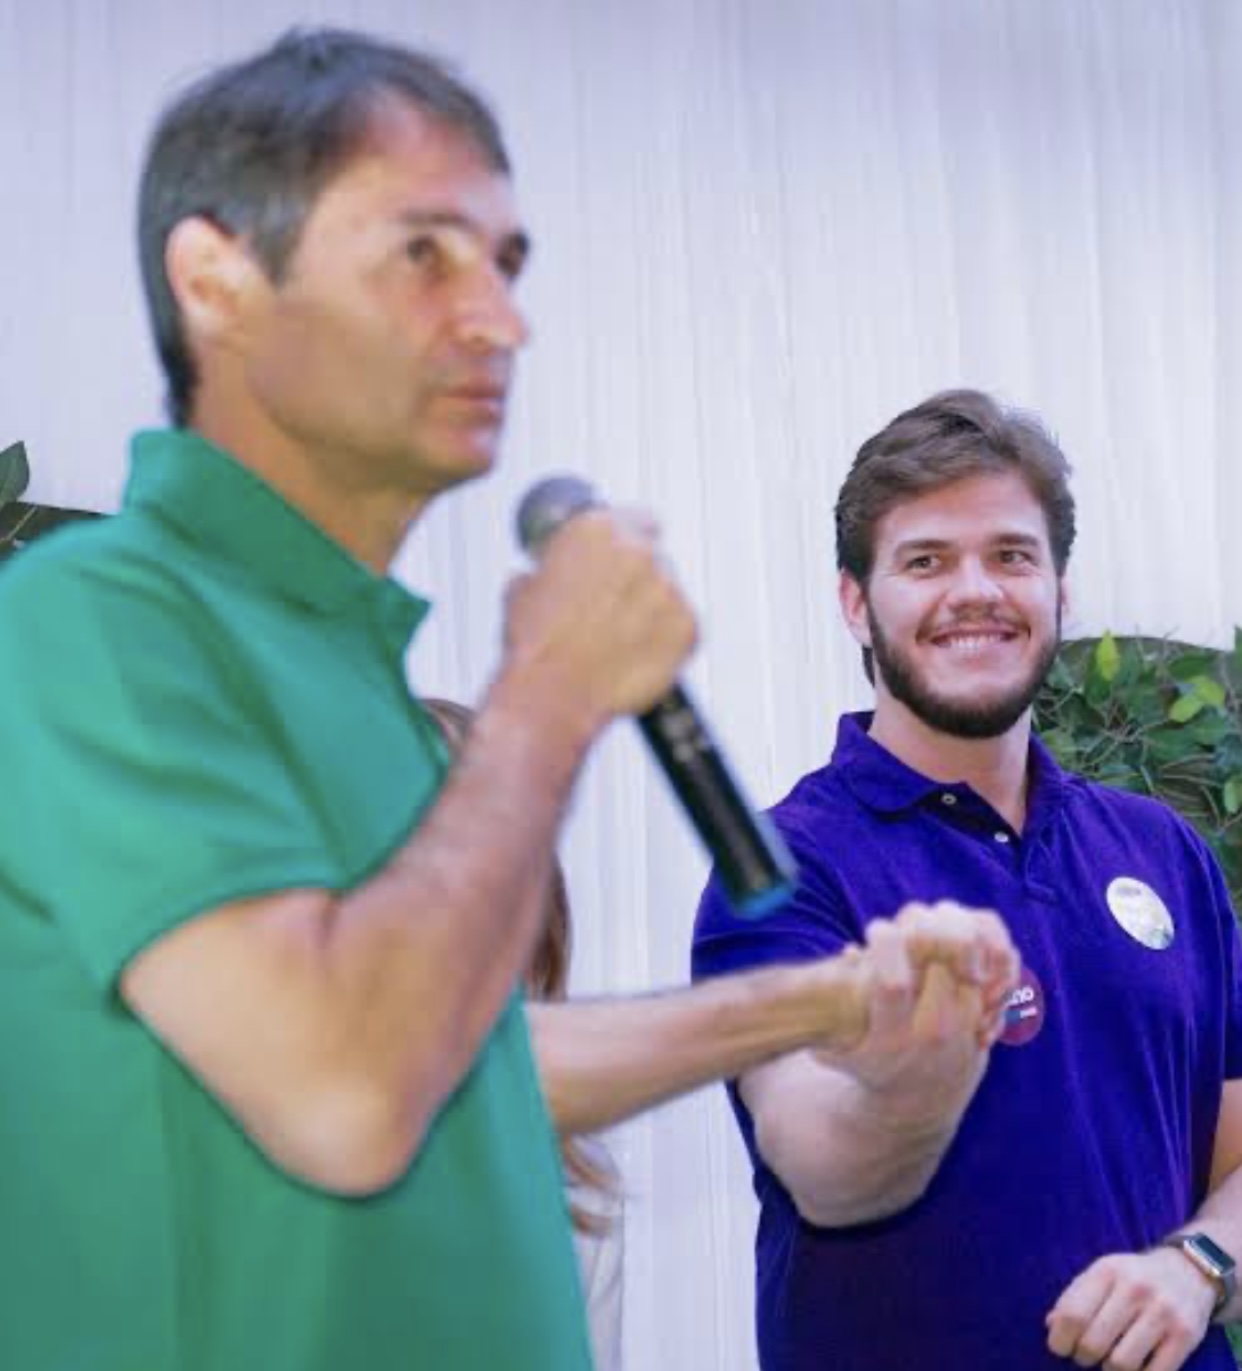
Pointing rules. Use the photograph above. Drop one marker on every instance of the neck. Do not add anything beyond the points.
(995, 768)
(339, 496)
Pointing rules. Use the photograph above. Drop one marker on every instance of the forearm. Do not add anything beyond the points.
(424, 955)
(602, 1061)
(848, 1154)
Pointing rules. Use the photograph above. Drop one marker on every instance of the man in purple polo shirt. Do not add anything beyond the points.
(1072, 1191)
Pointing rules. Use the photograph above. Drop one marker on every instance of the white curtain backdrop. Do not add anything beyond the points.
(763, 227)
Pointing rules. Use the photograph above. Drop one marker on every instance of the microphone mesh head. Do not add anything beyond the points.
(547, 505)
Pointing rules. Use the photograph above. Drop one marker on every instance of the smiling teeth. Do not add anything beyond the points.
(972, 642)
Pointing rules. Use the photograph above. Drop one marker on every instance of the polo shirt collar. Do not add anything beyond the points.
(215, 502)
(884, 784)
(877, 778)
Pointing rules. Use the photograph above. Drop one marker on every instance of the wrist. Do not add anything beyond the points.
(1211, 1261)
(529, 711)
(826, 1002)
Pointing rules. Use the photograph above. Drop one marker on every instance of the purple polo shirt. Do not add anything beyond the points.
(1092, 1130)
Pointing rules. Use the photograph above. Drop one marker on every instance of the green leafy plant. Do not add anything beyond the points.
(1158, 717)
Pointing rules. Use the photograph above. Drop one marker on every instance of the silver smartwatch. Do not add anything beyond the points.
(1212, 1259)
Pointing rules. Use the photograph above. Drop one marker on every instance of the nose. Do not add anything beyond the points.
(973, 584)
(488, 318)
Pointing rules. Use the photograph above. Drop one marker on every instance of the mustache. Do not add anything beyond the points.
(1006, 623)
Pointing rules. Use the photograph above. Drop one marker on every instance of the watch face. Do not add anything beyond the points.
(1207, 1249)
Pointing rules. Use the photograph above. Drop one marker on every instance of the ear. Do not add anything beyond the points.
(213, 278)
(853, 601)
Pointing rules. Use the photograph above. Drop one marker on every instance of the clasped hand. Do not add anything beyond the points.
(934, 981)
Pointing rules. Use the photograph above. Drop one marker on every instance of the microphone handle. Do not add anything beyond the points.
(755, 867)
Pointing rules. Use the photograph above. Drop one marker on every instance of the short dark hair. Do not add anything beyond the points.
(950, 437)
(251, 145)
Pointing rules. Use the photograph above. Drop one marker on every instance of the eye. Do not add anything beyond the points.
(1016, 556)
(925, 561)
(425, 251)
(512, 258)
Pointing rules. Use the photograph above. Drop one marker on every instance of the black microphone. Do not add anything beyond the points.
(753, 864)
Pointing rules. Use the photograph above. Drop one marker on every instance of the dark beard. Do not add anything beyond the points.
(985, 720)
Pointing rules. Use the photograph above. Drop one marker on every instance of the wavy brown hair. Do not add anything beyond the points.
(587, 1164)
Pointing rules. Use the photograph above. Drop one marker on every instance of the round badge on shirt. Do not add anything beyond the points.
(1024, 1010)
(1141, 912)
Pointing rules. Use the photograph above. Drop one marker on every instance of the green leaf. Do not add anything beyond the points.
(14, 473)
(1229, 755)
(1107, 659)
(1096, 690)
(1082, 716)
(1145, 703)
(1133, 668)
(1060, 677)
(1209, 691)
(1233, 794)
(1210, 730)
(1188, 663)
(1166, 744)
(1184, 708)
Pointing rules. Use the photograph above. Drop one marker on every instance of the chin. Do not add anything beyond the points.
(474, 450)
(973, 715)
(451, 468)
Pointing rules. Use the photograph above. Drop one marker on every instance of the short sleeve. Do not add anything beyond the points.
(140, 790)
(814, 922)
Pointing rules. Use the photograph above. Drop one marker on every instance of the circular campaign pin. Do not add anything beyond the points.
(1141, 912)
(1024, 1010)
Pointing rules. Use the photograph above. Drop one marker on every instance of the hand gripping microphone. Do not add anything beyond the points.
(752, 862)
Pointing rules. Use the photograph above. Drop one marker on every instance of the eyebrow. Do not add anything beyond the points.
(915, 546)
(517, 241)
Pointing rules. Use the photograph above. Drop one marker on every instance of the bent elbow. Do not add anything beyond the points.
(844, 1207)
(836, 1178)
(352, 1140)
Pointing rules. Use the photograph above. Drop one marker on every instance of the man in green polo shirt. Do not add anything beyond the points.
(269, 1095)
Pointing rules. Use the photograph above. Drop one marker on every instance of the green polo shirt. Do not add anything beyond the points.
(204, 699)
